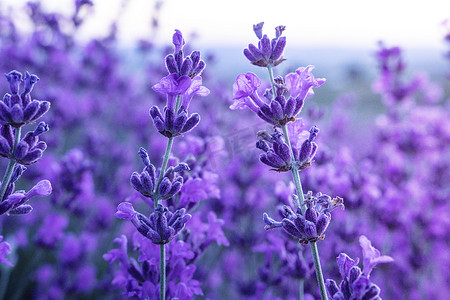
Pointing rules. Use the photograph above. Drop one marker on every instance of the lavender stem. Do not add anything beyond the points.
(162, 247)
(11, 164)
(269, 68)
(299, 189)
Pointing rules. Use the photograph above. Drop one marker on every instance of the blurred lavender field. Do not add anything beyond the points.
(140, 165)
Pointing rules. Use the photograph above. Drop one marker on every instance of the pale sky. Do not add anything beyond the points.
(308, 23)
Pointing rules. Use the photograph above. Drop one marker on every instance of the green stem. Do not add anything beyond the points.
(294, 169)
(162, 283)
(11, 164)
(163, 169)
(162, 248)
(165, 159)
(298, 187)
(272, 82)
(317, 266)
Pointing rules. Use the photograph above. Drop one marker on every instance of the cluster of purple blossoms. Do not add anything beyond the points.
(181, 85)
(180, 244)
(355, 283)
(395, 185)
(277, 153)
(309, 226)
(274, 108)
(162, 225)
(16, 111)
(147, 183)
(269, 52)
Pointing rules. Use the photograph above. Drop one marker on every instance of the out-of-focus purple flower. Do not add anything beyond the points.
(193, 191)
(355, 284)
(371, 256)
(52, 230)
(5, 249)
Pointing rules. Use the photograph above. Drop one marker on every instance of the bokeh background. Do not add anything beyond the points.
(383, 146)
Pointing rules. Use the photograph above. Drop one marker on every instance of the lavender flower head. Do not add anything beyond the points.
(162, 225)
(181, 85)
(277, 154)
(355, 283)
(146, 181)
(285, 105)
(18, 109)
(269, 52)
(308, 226)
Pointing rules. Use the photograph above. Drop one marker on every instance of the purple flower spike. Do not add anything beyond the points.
(356, 284)
(29, 150)
(371, 256)
(18, 110)
(268, 53)
(279, 109)
(125, 211)
(162, 225)
(308, 227)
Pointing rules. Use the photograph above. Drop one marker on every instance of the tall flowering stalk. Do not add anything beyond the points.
(17, 110)
(180, 86)
(279, 106)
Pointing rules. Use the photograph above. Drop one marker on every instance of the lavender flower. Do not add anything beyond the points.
(355, 283)
(180, 86)
(146, 181)
(162, 225)
(268, 52)
(278, 109)
(277, 153)
(309, 226)
(15, 203)
(18, 110)
(190, 66)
